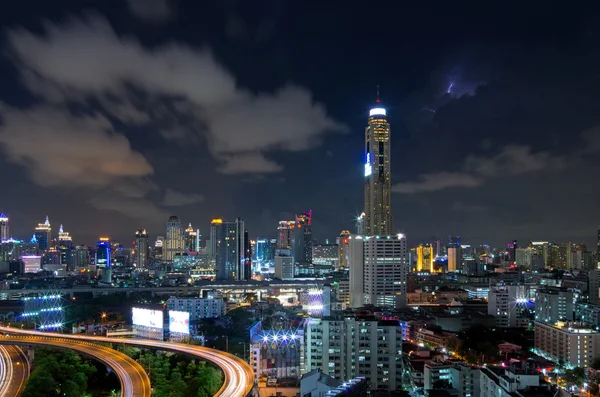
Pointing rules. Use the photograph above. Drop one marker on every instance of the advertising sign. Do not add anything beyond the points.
(147, 317)
(179, 322)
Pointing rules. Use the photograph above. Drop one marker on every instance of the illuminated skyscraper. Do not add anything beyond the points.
(378, 211)
(175, 239)
(342, 243)
(231, 249)
(302, 238)
(43, 234)
(425, 257)
(285, 232)
(65, 243)
(191, 239)
(142, 248)
(103, 259)
(4, 231)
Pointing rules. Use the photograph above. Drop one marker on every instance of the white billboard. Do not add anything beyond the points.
(147, 317)
(33, 263)
(179, 322)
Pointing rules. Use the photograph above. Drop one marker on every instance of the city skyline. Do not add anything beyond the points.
(480, 138)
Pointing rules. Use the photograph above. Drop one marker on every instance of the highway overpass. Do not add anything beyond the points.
(223, 286)
(134, 380)
(238, 375)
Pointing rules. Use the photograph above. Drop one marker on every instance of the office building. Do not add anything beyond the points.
(4, 230)
(43, 235)
(191, 239)
(302, 239)
(356, 347)
(285, 232)
(466, 380)
(142, 248)
(378, 270)
(230, 248)
(507, 382)
(198, 308)
(425, 258)
(103, 259)
(284, 267)
(325, 254)
(65, 245)
(509, 305)
(553, 304)
(243, 251)
(342, 243)
(174, 241)
(454, 254)
(524, 257)
(378, 206)
(576, 346)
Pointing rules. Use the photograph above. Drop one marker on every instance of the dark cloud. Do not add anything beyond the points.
(153, 11)
(240, 125)
(177, 199)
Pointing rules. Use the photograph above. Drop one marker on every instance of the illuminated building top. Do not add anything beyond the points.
(377, 112)
(63, 236)
(190, 230)
(3, 218)
(217, 221)
(44, 226)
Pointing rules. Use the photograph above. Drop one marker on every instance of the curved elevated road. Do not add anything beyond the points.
(14, 371)
(133, 378)
(238, 375)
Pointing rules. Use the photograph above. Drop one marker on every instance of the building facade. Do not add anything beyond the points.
(378, 270)
(356, 347)
(4, 228)
(198, 308)
(575, 345)
(553, 304)
(43, 235)
(142, 248)
(508, 304)
(174, 240)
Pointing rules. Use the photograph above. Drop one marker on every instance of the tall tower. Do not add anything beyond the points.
(378, 208)
(43, 235)
(142, 249)
(302, 239)
(228, 248)
(4, 235)
(175, 240)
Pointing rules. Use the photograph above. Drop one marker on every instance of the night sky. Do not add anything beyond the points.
(116, 114)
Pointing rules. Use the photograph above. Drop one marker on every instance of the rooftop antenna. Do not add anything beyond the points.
(377, 100)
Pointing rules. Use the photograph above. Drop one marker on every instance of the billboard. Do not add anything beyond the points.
(147, 318)
(33, 263)
(179, 322)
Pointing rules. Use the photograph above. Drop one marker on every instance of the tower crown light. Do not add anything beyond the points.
(377, 112)
(3, 218)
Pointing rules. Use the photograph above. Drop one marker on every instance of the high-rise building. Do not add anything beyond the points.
(103, 259)
(425, 258)
(508, 304)
(342, 243)
(142, 248)
(378, 206)
(243, 251)
(524, 257)
(230, 249)
(285, 234)
(378, 270)
(360, 224)
(302, 238)
(191, 235)
(4, 231)
(325, 254)
(553, 304)
(454, 254)
(159, 248)
(65, 244)
(43, 235)
(175, 239)
(572, 344)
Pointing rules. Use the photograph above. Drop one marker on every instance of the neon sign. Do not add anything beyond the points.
(368, 168)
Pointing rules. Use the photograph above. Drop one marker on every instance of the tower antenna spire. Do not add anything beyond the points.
(377, 100)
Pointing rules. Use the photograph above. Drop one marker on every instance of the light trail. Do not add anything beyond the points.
(134, 380)
(238, 375)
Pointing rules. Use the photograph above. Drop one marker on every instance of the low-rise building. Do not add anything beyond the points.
(198, 308)
(317, 384)
(502, 382)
